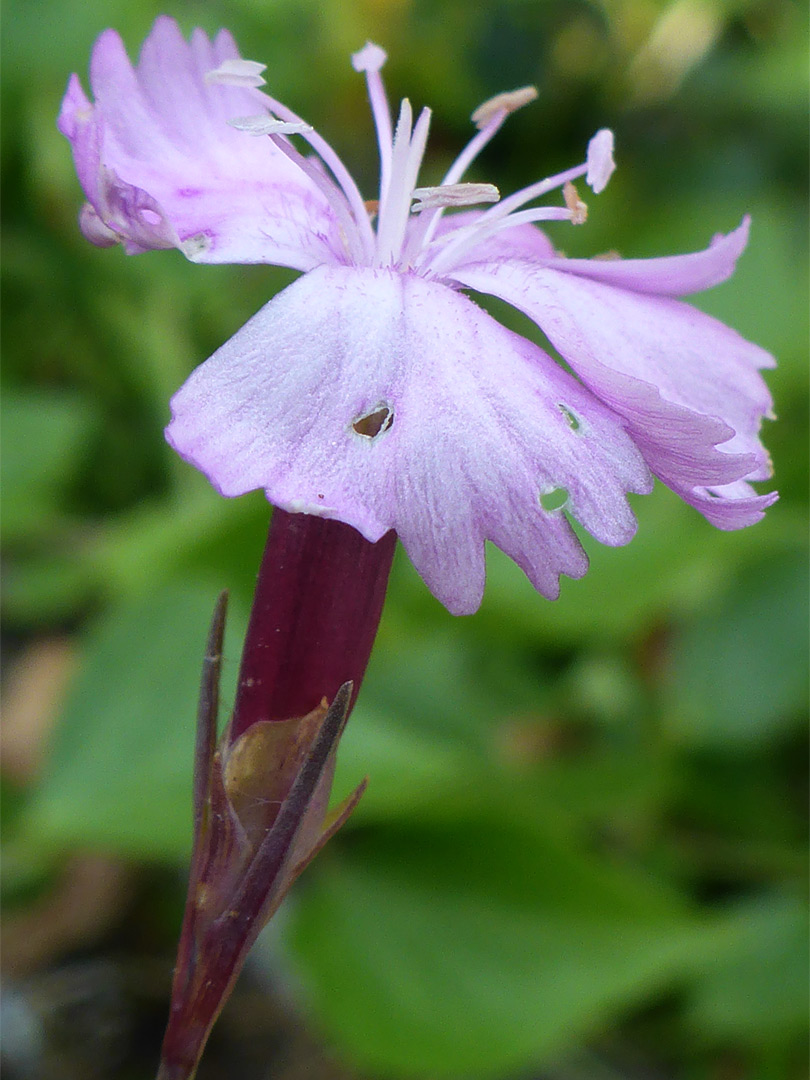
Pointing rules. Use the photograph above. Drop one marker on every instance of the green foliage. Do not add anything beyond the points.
(579, 814)
(757, 991)
(119, 775)
(473, 949)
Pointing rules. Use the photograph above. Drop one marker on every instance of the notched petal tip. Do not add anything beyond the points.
(600, 160)
(370, 58)
(237, 73)
(505, 103)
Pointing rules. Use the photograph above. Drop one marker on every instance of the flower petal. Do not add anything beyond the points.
(388, 401)
(162, 130)
(672, 275)
(76, 122)
(731, 506)
(687, 385)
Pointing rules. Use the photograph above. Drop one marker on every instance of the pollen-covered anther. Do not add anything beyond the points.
(579, 209)
(506, 103)
(237, 73)
(370, 58)
(428, 198)
(263, 124)
(601, 165)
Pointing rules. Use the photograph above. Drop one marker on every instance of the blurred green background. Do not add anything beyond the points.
(582, 854)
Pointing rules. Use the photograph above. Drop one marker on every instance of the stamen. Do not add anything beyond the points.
(237, 73)
(579, 209)
(264, 124)
(526, 217)
(458, 241)
(361, 224)
(534, 191)
(441, 261)
(395, 192)
(600, 160)
(506, 103)
(600, 154)
(370, 59)
(336, 196)
(453, 195)
(490, 117)
(247, 73)
(405, 162)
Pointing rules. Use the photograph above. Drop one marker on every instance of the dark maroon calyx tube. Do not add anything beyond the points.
(317, 606)
(261, 795)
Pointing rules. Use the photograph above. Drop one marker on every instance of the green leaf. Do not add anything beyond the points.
(470, 952)
(43, 435)
(410, 771)
(45, 587)
(120, 775)
(739, 674)
(755, 990)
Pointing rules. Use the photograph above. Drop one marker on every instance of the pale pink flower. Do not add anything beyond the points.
(373, 389)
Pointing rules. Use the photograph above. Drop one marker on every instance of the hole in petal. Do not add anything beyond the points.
(374, 423)
(571, 417)
(554, 499)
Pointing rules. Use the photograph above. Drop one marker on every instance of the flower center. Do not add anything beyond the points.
(398, 241)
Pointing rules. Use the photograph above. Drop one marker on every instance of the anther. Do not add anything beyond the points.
(579, 209)
(506, 103)
(428, 198)
(264, 124)
(600, 160)
(237, 73)
(370, 58)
